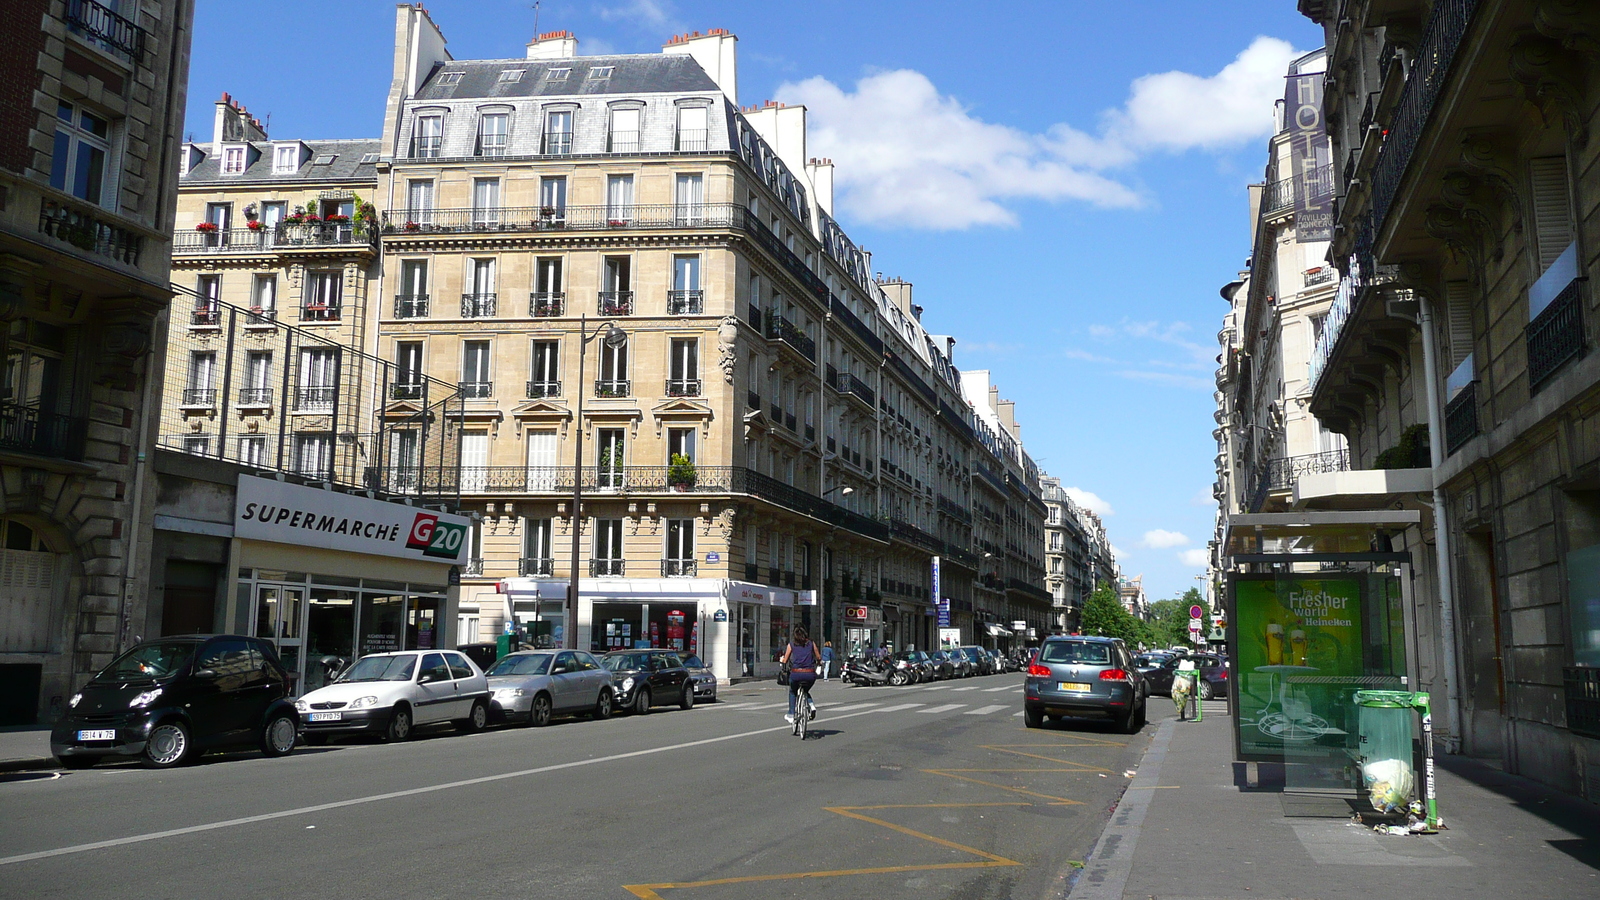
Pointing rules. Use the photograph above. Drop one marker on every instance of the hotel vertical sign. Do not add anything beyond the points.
(1310, 159)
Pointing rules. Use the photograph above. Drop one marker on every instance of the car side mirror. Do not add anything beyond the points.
(205, 673)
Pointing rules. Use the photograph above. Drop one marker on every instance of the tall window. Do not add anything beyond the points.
(558, 131)
(324, 296)
(313, 454)
(82, 143)
(264, 297)
(257, 390)
(683, 379)
(685, 298)
(613, 381)
(616, 287)
(607, 547)
(427, 137)
(545, 378)
(610, 456)
(553, 197)
(678, 558)
(207, 308)
(407, 371)
(480, 301)
(492, 134)
(34, 365)
(486, 201)
(537, 540)
(692, 131)
(619, 199)
(319, 379)
(411, 301)
(476, 381)
(548, 295)
(202, 379)
(419, 202)
(253, 450)
(625, 131)
(681, 442)
(232, 160)
(689, 195)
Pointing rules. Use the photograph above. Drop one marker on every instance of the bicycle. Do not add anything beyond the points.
(803, 710)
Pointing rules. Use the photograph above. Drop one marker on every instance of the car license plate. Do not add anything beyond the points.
(1072, 686)
(326, 717)
(104, 734)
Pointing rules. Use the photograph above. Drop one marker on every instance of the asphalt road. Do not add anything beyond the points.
(917, 792)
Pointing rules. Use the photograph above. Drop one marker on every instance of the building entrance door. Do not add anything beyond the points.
(280, 618)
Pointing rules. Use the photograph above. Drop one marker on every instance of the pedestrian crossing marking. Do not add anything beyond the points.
(998, 689)
(1016, 715)
(939, 687)
(958, 690)
(983, 710)
(939, 709)
(898, 707)
(840, 709)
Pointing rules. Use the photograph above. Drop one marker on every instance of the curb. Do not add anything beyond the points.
(26, 764)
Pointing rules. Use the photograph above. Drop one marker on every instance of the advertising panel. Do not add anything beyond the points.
(284, 513)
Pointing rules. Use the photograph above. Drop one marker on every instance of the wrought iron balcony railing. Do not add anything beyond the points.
(601, 568)
(679, 567)
(530, 566)
(257, 317)
(615, 303)
(202, 397)
(556, 143)
(427, 147)
(683, 387)
(319, 398)
(406, 390)
(1280, 474)
(538, 389)
(781, 329)
(623, 142)
(610, 387)
(846, 383)
(411, 306)
(255, 396)
(206, 317)
(1461, 418)
(476, 390)
(1555, 335)
(37, 432)
(634, 217)
(317, 312)
(105, 29)
(281, 238)
(478, 306)
(693, 139)
(686, 303)
(547, 304)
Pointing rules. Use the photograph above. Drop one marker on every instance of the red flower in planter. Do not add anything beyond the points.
(256, 225)
(206, 227)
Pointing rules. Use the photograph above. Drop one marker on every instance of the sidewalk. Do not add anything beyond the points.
(1185, 830)
(25, 747)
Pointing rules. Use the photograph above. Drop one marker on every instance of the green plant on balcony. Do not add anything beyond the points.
(680, 472)
(1411, 452)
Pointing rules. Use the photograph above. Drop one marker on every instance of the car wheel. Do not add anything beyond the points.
(168, 745)
(476, 720)
(641, 702)
(399, 725)
(539, 712)
(1033, 718)
(77, 762)
(602, 706)
(898, 679)
(1205, 689)
(277, 739)
(687, 700)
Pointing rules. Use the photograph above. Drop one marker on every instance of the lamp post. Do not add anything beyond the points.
(614, 337)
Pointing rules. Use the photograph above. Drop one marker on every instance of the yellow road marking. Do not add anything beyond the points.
(1153, 787)
(1056, 801)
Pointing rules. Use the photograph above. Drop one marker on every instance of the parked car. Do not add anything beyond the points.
(392, 694)
(171, 699)
(982, 662)
(1213, 675)
(1084, 676)
(1002, 664)
(705, 681)
(921, 664)
(945, 666)
(534, 685)
(646, 678)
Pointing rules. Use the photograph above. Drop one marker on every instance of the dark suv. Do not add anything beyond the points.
(1084, 676)
(171, 699)
(646, 678)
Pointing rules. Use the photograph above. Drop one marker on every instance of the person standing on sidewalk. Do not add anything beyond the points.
(827, 658)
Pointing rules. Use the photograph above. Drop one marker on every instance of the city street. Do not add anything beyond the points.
(929, 791)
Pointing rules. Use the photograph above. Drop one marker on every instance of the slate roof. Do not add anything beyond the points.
(637, 74)
(346, 166)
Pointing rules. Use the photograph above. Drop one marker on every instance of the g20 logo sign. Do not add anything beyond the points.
(435, 538)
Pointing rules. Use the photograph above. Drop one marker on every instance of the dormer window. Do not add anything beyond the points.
(450, 78)
(557, 74)
(601, 71)
(325, 159)
(232, 160)
(368, 159)
(285, 160)
(511, 76)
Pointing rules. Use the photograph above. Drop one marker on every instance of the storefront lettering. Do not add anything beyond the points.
(298, 518)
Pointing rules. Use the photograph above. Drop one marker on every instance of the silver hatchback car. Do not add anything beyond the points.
(532, 686)
(1084, 676)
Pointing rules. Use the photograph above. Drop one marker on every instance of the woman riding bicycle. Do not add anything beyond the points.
(801, 657)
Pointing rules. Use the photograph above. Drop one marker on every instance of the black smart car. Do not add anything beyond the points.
(646, 678)
(171, 699)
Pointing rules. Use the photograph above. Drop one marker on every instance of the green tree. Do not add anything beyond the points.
(1169, 622)
(1103, 615)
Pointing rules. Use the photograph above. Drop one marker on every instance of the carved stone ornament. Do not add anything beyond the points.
(728, 340)
(1551, 79)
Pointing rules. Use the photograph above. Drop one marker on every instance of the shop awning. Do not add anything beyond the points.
(998, 630)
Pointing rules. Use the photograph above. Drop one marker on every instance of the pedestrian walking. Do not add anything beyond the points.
(827, 658)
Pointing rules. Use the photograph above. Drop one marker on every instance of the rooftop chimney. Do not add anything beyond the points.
(715, 52)
(233, 124)
(553, 45)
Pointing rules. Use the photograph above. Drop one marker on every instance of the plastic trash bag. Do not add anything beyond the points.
(1389, 783)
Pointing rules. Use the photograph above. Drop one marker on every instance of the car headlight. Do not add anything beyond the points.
(73, 703)
(145, 699)
(302, 706)
(509, 693)
(627, 683)
(364, 702)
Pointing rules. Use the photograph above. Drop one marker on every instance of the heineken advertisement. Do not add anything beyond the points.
(1298, 655)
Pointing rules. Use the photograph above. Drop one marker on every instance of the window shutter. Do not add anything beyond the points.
(1458, 300)
(1552, 210)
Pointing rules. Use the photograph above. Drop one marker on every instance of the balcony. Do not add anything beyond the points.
(539, 389)
(556, 143)
(100, 26)
(615, 303)
(36, 432)
(199, 398)
(282, 238)
(1555, 328)
(316, 399)
(411, 306)
(319, 312)
(547, 304)
(255, 397)
(476, 390)
(406, 390)
(259, 317)
(531, 566)
(850, 385)
(492, 145)
(622, 142)
(790, 334)
(671, 568)
(427, 147)
(82, 226)
(633, 217)
(1461, 418)
(612, 388)
(693, 140)
(604, 568)
(686, 303)
(206, 317)
(683, 387)
(478, 306)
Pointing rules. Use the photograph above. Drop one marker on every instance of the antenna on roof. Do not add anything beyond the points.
(536, 5)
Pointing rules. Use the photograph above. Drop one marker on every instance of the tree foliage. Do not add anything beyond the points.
(1103, 615)
(1169, 619)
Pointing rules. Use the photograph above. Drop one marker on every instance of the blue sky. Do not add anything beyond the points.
(1062, 181)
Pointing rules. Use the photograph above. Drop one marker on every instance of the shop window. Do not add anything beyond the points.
(681, 442)
(422, 623)
(780, 632)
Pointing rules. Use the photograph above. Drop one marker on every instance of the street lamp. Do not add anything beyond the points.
(847, 490)
(614, 337)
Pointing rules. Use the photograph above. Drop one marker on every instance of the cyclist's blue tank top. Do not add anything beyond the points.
(803, 657)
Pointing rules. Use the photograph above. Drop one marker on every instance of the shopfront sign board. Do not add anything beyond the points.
(807, 598)
(944, 612)
(284, 513)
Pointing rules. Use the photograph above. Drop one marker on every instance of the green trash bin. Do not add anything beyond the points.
(1386, 722)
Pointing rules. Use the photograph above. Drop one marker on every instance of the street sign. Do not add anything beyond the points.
(1196, 611)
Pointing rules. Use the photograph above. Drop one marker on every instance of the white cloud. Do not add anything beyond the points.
(1090, 501)
(1203, 497)
(1116, 552)
(652, 13)
(1197, 556)
(1085, 356)
(911, 156)
(1160, 539)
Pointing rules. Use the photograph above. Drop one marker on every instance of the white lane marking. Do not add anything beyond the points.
(733, 706)
(939, 687)
(939, 709)
(890, 708)
(998, 689)
(1016, 715)
(984, 710)
(840, 709)
(395, 795)
(758, 708)
(959, 690)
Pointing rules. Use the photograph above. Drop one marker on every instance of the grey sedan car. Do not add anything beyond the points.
(534, 685)
(1084, 676)
(705, 681)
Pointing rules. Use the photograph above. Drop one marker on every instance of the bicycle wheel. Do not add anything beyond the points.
(802, 712)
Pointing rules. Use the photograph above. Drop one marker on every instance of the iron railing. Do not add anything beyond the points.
(1461, 418)
(82, 227)
(427, 146)
(693, 139)
(530, 566)
(38, 432)
(781, 329)
(478, 306)
(255, 397)
(476, 390)
(411, 306)
(406, 390)
(281, 238)
(1554, 336)
(201, 397)
(683, 387)
(686, 303)
(546, 304)
(846, 383)
(207, 316)
(613, 387)
(1281, 194)
(679, 567)
(622, 142)
(538, 389)
(317, 312)
(259, 317)
(600, 568)
(474, 566)
(615, 303)
(1280, 474)
(113, 33)
(633, 217)
(317, 398)
(556, 143)
(911, 534)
